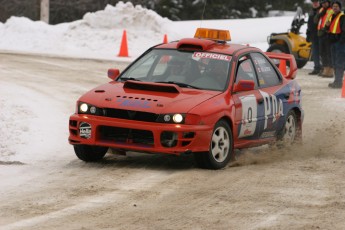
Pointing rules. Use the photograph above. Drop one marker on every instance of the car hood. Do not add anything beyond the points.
(147, 97)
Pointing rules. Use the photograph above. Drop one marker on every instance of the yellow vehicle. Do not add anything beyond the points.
(292, 42)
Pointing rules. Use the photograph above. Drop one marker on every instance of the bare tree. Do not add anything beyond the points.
(45, 11)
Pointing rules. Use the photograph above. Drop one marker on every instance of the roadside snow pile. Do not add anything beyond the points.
(23, 34)
(97, 35)
(126, 16)
(101, 32)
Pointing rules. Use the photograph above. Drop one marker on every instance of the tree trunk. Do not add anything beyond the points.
(45, 11)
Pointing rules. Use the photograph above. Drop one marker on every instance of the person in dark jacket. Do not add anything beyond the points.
(336, 34)
(312, 37)
(321, 18)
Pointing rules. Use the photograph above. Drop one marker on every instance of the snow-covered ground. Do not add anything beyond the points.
(44, 186)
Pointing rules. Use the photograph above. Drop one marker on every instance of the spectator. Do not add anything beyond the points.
(325, 50)
(313, 38)
(337, 39)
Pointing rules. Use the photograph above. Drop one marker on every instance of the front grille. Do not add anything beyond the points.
(130, 115)
(124, 135)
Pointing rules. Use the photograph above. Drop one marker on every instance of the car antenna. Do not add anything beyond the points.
(202, 16)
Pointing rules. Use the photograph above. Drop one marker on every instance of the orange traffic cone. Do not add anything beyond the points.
(124, 48)
(282, 66)
(165, 39)
(343, 89)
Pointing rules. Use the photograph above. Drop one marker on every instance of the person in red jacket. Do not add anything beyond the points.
(336, 34)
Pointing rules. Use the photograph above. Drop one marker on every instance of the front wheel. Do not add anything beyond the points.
(90, 153)
(221, 148)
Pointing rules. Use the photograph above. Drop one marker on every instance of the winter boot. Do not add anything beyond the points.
(328, 72)
(322, 71)
(335, 85)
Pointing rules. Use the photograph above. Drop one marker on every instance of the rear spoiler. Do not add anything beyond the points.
(285, 62)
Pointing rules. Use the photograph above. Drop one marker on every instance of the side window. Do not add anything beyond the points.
(266, 73)
(245, 71)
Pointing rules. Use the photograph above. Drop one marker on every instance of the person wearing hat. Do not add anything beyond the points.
(336, 33)
(312, 37)
(321, 18)
(175, 69)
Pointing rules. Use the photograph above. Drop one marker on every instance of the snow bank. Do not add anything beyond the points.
(97, 35)
(126, 16)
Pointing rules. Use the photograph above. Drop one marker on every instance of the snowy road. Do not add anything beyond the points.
(44, 186)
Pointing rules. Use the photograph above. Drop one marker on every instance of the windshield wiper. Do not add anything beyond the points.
(129, 78)
(181, 84)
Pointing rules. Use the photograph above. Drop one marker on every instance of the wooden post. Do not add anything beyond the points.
(45, 11)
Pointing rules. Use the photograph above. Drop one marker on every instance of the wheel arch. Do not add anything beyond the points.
(229, 121)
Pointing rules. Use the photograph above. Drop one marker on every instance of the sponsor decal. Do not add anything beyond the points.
(85, 130)
(133, 103)
(222, 57)
(267, 134)
(273, 110)
(249, 115)
(273, 107)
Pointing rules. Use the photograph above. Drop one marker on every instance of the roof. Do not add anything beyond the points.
(205, 45)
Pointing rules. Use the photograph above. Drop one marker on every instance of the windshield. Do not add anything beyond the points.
(200, 70)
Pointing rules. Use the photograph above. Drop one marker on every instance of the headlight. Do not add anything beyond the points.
(171, 118)
(84, 108)
(177, 118)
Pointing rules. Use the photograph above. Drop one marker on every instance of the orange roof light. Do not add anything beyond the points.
(219, 35)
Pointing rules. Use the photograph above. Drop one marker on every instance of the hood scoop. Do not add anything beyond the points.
(150, 86)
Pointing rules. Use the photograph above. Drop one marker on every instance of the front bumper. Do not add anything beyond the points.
(131, 135)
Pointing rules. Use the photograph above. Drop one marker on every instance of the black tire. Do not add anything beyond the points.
(221, 148)
(90, 153)
(301, 63)
(276, 48)
(288, 135)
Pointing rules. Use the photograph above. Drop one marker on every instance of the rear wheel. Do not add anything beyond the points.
(288, 134)
(221, 148)
(90, 153)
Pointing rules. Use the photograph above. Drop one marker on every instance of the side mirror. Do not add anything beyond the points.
(113, 73)
(244, 85)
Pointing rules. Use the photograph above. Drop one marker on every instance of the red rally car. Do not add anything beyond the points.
(198, 95)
